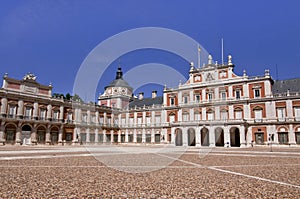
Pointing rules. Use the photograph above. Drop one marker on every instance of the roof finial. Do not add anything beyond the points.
(119, 73)
(210, 59)
(230, 60)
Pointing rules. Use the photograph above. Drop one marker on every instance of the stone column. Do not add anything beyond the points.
(111, 136)
(96, 135)
(126, 136)
(184, 137)
(134, 136)
(20, 108)
(48, 140)
(2, 129)
(18, 134)
(49, 111)
(226, 136)
(61, 113)
(87, 135)
(3, 106)
(152, 136)
(119, 136)
(173, 136)
(60, 134)
(291, 135)
(104, 136)
(35, 110)
(33, 135)
(143, 136)
(198, 137)
(212, 141)
(242, 136)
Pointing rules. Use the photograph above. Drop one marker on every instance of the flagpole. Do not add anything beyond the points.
(222, 46)
(199, 55)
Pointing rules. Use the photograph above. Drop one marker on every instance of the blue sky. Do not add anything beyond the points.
(52, 38)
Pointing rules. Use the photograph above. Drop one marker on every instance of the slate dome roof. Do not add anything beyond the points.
(119, 81)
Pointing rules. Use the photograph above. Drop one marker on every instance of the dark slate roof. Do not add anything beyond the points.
(282, 86)
(146, 102)
(119, 81)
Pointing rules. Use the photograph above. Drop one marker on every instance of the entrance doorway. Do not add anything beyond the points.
(26, 135)
(219, 136)
(191, 137)
(204, 137)
(178, 137)
(235, 137)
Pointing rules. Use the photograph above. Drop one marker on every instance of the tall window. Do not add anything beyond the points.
(172, 101)
(238, 114)
(224, 115)
(172, 118)
(197, 116)
(223, 95)
(256, 93)
(93, 119)
(42, 114)
(123, 122)
(297, 113)
(101, 120)
(69, 117)
(139, 121)
(12, 111)
(210, 115)
(84, 118)
(185, 116)
(131, 121)
(197, 98)
(148, 121)
(157, 120)
(185, 99)
(210, 96)
(237, 94)
(28, 111)
(281, 114)
(108, 121)
(258, 115)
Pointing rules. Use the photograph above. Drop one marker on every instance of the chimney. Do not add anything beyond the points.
(141, 95)
(154, 94)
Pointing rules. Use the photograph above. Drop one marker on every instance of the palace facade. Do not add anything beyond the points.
(215, 107)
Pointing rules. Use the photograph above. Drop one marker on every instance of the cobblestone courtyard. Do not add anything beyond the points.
(82, 172)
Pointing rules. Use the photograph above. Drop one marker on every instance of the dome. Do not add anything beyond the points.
(119, 81)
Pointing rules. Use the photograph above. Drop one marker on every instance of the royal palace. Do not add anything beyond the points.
(214, 107)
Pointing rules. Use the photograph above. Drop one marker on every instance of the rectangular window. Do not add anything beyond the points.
(12, 111)
(69, 117)
(297, 113)
(108, 121)
(224, 115)
(42, 114)
(172, 101)
(148, 121)
(210, 96)
(116, 122)
(172, 118)
(157, 120)
(185, 99)
(237, 94)
(238, 114)
(93, 119)
(55, 115)
(197, 98)
(185, 117)
(257, 93)
(84, 118)
(131, 121)
(101, 120)
(197, 116)
(223, 95)
(258, 115)
(283, 138)
(139, 121)
(28, 111)
(210, 116)
(281, 114)
(123, 121)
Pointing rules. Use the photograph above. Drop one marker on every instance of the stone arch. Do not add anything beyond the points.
(41, 134)
(178, 137)
(297, 134)
(219, 136)
(235, 137)
(26, 134)
(10, 133)
(204, 136)
(54, 131)
(191, 137)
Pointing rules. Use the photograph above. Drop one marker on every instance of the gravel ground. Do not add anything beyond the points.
(87, 177)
